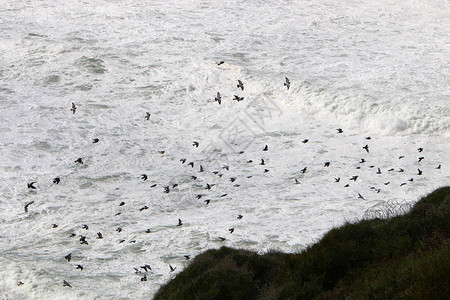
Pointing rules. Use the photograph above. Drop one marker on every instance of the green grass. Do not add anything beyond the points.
(404, 257)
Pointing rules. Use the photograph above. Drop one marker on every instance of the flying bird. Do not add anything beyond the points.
(74, 108)
(237, 98)
(218, 98)
(31, 185)
(147, 116)
(180, 222)
(28, 204)
(94, 141)
(79, 161)
(287, 83)
(56, 180)
(240, 85)
(366, 147)
(66, 284)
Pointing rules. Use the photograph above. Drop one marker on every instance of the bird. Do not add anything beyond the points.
(94, 141)
(166, 189)
(147, 115)
(401, 156)
(240, 217)
(218, 98)
(362, 161)
(221, 63)
(368, 138)
(222, 239)
(233, 179)
(191, 164)
(354, 178)
(231, 230)
(79, 161)
(99, 235)
(74, 108)
(54, 225)
(122, 203)
(266, 170)
(240, 85)
(339, 130)
(146, 268)
(226, 167)
(303, 170)
(187, 256)
(31, 185)
(266, 148)
(305, 141)
(411, 179)
(183, 160)
(195, 144)
(420, 149)
(379, 171)
(119, 229)
(143, 208)
(68, 257)
(207, 201)
(262, 163)
(360, 196)
(337, 179)
(180, 222)
(174, 185)
(287, 83)
(153, 185)
(66, 284)
(438, 167)
(404, 183)
(327, 164)
(347, 185)
(172, 268)
(237, 98)
(56, 180)
(144, 177)
(28, 204)
(386, 183)
(85, 227)
(79, 267)
(366, 147)
(421, 158)
(201, 169)
(296, 181)
(419, 172)
(249, 161)
(401, 170)
(144, 278)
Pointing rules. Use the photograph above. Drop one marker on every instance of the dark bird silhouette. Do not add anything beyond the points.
(183, 160)
(386, 183)
(54, 225)
(404, 183)
(421, 158)
(147, 116)
(148, 231)
(233, 179)
(99, 235)
(231, 230)
(420, 149)
(56, 180)
(195, 144)
(327, 164)
(146, 268)
(287, 83)
(166, 189)
(191, 164)
(68, 257)
(144, 177)
(194, 177)
(201, 169)
(199, 196)
(187, 256)
(180, 222)
(411, 179)
(360, 196)
(161, 152)
(74, 108)
(362, 161)
(339, 130)
(143, 208)
(304, 170)
(28, 204)
(31, 185)
(266, 148)
(240, 217)
(79, 267)
(419, 172)
(218, 98)
(85, 227)
(221, 63)
(347, 185)
(153, 185)
(207, 201)
(296, 181)
(240, 85)
(72, 235)
(122, 203)
(262, 163)
(222, 239)
(174, 185)
(378, 171)
(119, 229)
(238, 99)
(337, 179)
(144, 278)
(266, 170)
(438, 167)
(305, 141)
(366, 147)
(94, 141)
(401, 170)
(354, 178)
(368, 138)
(401, 156)
(65, 282)
(391, 169)
(79, 161)
(172, 268)
(223, 195)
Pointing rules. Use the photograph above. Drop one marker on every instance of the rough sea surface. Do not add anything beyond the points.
(377, 69)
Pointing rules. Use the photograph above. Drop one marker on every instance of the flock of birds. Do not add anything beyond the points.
(144, 269)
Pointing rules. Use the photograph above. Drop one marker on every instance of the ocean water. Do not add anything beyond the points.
(377, 69)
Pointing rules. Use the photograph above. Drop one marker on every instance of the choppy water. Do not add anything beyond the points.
(372, 68)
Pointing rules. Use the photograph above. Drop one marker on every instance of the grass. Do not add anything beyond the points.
(403, 257)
